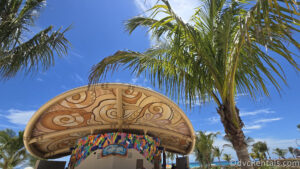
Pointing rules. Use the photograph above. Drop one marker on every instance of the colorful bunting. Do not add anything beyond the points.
(146, 145)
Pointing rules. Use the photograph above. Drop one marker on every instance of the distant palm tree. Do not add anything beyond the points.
(292, 151)
(218, 153)
(204, 149)
(248, 141)
(227, 157)
(280, 152)
(12, 151)
(32, 160)
(170, 156)
(262, 148)
(254, 155)
(18, 49)
(224, 50)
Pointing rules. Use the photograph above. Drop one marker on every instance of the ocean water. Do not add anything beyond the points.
(196, 164)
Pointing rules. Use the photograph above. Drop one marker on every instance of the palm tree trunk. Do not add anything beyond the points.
(235, 134)
(5, 166)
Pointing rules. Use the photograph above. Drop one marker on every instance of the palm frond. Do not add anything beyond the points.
(227, 49)
(39, 50)
(17, 53)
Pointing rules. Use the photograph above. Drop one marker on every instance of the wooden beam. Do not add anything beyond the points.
(88, 130)
(119, 105)
(171, 148)
(53, 153)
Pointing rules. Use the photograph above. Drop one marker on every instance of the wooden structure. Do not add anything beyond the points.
(54, 128)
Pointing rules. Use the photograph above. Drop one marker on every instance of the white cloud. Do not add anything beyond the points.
(134, 80)
(278, 143)
(214, 119)
(76, 54)
(241, 94)
(140, 81)
(149, 87)
(267, 120)
(219, 142)
(198, 102)
(78, 78)
(246, 131)
(253, 113)
(184, 9)
(213, 132)
(19, 116)
(253, 127)
(39, 79)
(271, 142)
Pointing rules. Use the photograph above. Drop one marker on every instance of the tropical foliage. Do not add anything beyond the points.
(170, 156)
(248, 141)
(261, 150)
(255, 155)
(292, 151)
(227, 157)
(227, 48)
(217, 153)
(281, 153)
(12, 151)
(204, 149)
(20, 48)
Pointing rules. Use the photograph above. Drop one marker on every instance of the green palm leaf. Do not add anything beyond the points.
(229, 47)
(17, 53)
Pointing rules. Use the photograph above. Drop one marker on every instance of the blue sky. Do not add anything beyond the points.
(98, 31)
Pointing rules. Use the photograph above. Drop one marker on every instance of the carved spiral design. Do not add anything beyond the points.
(68, 120)
(99, 107)
(60, 120)
(130, 96)
(106, 111)
(79, 100)
(156, 108)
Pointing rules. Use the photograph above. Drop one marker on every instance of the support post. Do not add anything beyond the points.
(164, 159)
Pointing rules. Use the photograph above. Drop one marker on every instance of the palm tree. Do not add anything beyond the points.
(254, 155)
(218, 153)
(224, 50)
(248, 141)
(32, 160)
(18, 49)
(170, 156)
(292, 151)
(227, 157)
(204, 149)
(12, 149)
(280, 152)
(261, 148)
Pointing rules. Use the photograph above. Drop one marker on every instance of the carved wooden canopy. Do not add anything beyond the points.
(56, 126)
